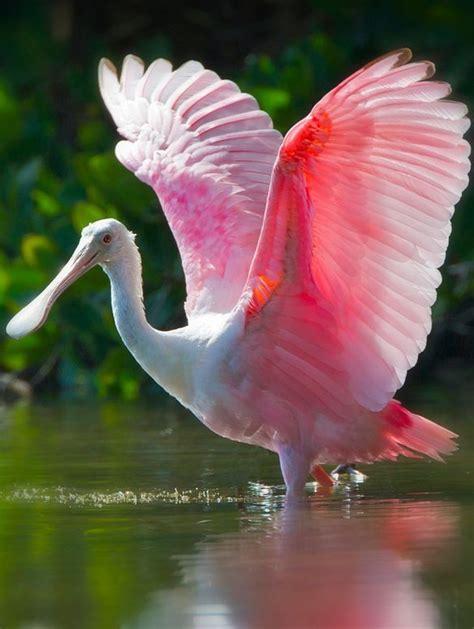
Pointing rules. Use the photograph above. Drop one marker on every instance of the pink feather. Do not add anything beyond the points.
(208, 152)
(357, 222)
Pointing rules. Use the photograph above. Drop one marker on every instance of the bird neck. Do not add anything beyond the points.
(125, 274)
(154, 350)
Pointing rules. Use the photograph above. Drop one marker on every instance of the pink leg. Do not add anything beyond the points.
(295, 469)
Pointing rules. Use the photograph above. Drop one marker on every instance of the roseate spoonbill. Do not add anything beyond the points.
(311, 262)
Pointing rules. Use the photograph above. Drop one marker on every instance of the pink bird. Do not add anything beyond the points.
(310, 261)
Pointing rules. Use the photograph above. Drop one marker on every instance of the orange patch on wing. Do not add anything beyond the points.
(307, 138)
(261, 292)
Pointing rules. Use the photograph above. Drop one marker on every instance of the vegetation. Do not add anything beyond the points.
(58, 171)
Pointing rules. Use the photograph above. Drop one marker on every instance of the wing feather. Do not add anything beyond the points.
(208, 152)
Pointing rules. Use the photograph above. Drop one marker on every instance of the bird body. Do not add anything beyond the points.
(310, 261)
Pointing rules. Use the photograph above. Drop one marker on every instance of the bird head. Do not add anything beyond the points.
(101, 242)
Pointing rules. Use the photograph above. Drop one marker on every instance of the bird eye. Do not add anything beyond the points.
(106, 238)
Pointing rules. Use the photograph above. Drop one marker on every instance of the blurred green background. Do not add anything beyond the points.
(58, 171)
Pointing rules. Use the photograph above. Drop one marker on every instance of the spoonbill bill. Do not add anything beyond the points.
(311, 261)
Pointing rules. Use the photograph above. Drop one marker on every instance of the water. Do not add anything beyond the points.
(135, 516)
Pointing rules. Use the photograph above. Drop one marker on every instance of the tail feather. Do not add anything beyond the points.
(412, 432)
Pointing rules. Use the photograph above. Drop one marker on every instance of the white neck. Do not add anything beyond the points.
(159, 353)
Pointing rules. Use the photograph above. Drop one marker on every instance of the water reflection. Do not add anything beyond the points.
(348, 563)
(138, 517)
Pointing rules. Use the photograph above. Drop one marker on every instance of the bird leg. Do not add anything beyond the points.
(294, 468)
(322, 477)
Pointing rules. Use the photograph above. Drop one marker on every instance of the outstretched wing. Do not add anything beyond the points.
(208, 151)
(357, 222)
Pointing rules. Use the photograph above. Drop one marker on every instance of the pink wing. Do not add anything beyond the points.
(208, 152)
(357, 222)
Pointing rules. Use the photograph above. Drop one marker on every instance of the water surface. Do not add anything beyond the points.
(135, 516)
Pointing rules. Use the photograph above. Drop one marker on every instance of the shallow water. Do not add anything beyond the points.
(135, 516)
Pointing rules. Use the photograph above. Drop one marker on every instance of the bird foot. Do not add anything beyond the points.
(350, 470)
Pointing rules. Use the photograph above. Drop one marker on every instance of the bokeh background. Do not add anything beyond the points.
(58, 171)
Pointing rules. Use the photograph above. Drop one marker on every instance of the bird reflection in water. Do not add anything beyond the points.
(316, 566)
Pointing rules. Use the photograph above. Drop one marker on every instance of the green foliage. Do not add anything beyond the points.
(58, 171)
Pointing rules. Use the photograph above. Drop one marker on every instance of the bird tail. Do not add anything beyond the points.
(412, 434)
